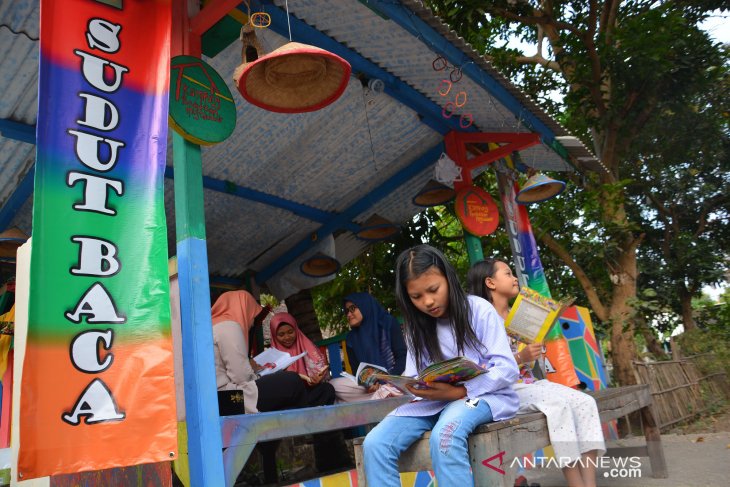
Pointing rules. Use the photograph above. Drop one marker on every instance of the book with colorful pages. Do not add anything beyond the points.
(452, 371)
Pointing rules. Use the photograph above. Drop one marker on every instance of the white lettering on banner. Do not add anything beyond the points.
(88, 150)
(94, 67)
(97, 306)
(96, 404)
(103, 35)
(97, 257)
(96, 111)
(85, 353)
(95, 191)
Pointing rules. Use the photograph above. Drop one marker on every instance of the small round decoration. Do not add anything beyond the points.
(202, 109)
(477, 211)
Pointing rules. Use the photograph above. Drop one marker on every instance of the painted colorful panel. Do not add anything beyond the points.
(349, 479)
(98, 389)
(584, 348)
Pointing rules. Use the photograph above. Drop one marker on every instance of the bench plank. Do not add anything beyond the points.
(241, 433)
(526, 433)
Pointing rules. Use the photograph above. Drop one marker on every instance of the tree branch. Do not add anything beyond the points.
(583, 279)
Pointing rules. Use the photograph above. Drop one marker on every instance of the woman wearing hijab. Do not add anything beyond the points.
(287, 337)
(234, 314)
(376, 338)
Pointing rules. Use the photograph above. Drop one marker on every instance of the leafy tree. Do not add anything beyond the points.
(616, 63)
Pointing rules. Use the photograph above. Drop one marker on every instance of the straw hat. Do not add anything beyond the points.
(294, 78)
(377, 228)
(539, 188)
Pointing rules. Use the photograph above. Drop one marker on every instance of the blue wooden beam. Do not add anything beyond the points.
(17, 130)
(357, 208)
(26, 133)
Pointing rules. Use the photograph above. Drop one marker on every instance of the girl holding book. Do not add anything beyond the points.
(376, 338)
(572, 416)
(287, 337)
(442, 322)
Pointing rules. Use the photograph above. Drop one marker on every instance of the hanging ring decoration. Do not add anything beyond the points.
(448, 110)
(455, 75)
(439, 64)
(456, 100)
(447, 83)
(260, 20)
(466, 120)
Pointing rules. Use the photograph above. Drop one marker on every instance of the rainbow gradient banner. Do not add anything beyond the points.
(530, 273)
(98, 387)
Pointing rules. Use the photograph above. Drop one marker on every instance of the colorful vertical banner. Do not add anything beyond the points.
(98, 387)
(530, 273)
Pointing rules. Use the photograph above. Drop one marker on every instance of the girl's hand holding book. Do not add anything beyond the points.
(438, 391)
(529, 353)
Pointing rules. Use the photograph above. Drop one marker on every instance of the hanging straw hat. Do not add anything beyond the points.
(539, 188)
(377, 228)
(294, 78)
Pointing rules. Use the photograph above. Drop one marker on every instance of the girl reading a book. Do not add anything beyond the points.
(572, 416)
(376, 338)
(287, 337)
(442, 322)
(234, 313)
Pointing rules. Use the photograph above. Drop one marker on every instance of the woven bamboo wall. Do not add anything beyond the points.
(679, 390)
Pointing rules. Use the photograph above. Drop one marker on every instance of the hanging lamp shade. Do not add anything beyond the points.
(293, 78)
(434, 194)
(10, 240)
(539, 188)
(319, 265)
(377, 228)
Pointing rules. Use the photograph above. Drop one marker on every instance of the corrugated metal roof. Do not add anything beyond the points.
(328, 160)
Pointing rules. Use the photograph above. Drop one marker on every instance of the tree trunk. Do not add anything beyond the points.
(685, 299)
(301, 307)
(655, 348)
(623, 270)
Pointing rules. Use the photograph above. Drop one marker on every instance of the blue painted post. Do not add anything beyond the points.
(201, 401)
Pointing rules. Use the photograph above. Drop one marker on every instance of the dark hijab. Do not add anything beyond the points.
(371, 341)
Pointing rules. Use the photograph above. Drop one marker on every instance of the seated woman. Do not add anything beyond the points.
(287, 337)
(572, 416)
(375, 337)
(234, 313)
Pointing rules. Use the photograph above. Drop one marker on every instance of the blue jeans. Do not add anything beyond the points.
(449, 451)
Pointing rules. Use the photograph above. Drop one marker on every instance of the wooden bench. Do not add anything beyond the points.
(241, 433)
(528, 432)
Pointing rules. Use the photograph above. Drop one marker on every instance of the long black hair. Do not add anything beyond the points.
(420, 328)
(477, 275)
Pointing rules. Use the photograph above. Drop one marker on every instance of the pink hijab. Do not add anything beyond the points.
(311, 364)
(237, 306)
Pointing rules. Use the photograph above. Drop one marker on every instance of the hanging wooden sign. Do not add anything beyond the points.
(202, 109)
(477, 211)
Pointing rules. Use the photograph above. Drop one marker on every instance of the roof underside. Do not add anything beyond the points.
(334, 161)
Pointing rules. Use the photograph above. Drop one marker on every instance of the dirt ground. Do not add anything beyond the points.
(697, 454)
(713, 423)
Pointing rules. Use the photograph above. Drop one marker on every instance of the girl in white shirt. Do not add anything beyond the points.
(442, 322)
(572, 416)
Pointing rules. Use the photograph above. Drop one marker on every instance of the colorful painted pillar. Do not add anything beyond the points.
(558, 362)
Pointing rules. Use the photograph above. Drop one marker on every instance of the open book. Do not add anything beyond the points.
(273, 360)
(532, 315)
(453, 371)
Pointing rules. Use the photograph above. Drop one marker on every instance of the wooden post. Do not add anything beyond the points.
(201, 402)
